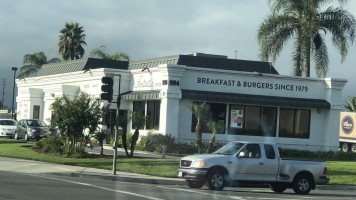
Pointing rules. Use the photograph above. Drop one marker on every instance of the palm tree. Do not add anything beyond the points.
(351, 105)
(215, 127)
(70, 42)
(304, 21)
(33, 62)
(199, 110)
(101, 52)
(138, 121)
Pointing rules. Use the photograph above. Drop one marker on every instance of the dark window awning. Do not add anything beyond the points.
(255, 99)
(141, 95)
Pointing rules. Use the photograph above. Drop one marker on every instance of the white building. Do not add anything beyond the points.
(249, 97)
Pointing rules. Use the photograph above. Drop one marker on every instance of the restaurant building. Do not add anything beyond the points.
(250, 98)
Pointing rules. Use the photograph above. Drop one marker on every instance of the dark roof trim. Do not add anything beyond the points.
(206, 61)
(255, 99)
(81, 65)
(141, 95)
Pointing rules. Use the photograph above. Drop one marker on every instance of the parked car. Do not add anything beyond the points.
(251, 162)
(7, 128)
(31, 129)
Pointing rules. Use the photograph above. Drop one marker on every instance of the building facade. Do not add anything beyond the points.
(250, 98)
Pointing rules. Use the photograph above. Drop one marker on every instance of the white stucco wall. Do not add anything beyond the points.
(175, 112)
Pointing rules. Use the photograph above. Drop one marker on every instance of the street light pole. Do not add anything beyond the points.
(13, 92)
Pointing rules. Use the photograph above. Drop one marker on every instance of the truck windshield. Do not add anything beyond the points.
(229, 149)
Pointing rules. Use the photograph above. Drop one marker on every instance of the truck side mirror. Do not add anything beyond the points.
(241, 154)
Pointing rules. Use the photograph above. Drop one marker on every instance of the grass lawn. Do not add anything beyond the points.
(156, 167)
(340, 172)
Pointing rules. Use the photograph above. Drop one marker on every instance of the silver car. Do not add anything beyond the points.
(7, 128)
(31, 129)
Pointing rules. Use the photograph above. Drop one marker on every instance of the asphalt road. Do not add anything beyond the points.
(46, 186)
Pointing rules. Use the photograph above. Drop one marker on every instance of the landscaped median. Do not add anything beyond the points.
(340, 172)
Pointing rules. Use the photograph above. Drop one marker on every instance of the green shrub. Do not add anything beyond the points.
(192, 147)
(154, 142)
(119, 140)
(303, 154)
(51, 144)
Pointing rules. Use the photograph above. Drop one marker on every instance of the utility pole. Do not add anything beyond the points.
(3, 93)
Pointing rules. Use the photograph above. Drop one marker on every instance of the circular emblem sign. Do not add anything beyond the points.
(347, 124)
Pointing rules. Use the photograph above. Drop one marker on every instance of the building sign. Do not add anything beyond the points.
(252, 84)
(147, 82)
(347, 124)
(237, 118)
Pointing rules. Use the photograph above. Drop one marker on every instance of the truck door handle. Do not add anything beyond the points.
(261, 163)
(229, 162)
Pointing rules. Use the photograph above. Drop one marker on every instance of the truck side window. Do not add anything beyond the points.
(269, 151)
(253, 151)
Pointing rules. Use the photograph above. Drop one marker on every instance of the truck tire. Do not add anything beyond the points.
(353, 148)
(302, 184)
(345, 147)
(16, 137)
(195, 184)
(278, 187)
(215, 180)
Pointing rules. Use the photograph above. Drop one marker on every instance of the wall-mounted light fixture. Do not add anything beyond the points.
(146, 68)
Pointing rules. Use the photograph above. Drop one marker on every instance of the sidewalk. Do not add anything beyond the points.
(108, 150)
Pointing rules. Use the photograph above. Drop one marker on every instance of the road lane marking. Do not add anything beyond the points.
(95, 186)
(195, 191)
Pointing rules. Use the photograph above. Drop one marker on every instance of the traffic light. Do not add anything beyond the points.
(106, 88)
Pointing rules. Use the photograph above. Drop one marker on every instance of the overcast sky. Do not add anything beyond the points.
(146, 29)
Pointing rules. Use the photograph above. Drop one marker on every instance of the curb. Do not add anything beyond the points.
(173, 181)
(335, 187)
(147, 180)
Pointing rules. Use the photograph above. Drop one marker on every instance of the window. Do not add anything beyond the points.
(252, 151)
(252, 120)
(36, 112)
(269, 121)
(151, 109)
(294, 123)
(216, 112)
(270, 154)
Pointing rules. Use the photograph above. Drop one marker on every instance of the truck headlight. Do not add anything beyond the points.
(198, 164)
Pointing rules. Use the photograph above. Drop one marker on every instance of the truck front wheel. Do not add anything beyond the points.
(195, 184)
(215, 180)
(278, 187)
(302, 184)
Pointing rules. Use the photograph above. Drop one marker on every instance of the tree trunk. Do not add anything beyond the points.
(101, 143)
(211, 142)
(124, 143)
(307, 60)
(199, 138)
(133, 141)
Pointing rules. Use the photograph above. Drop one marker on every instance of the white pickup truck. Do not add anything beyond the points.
(251, 162)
